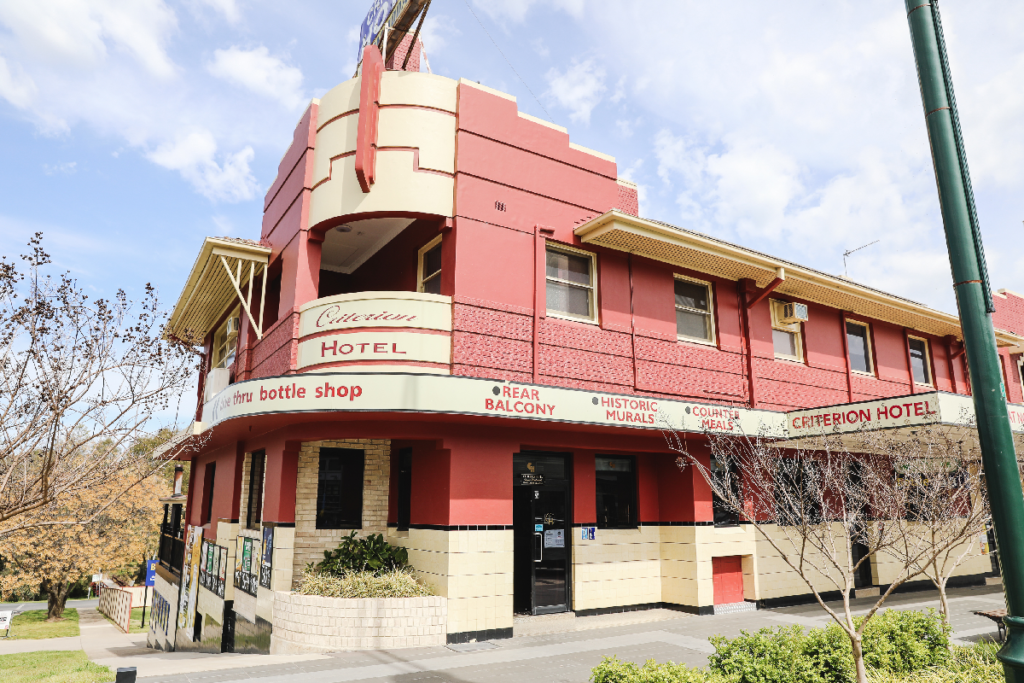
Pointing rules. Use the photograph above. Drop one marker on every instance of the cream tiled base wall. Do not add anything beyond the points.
(156, 637)
(310, 542)
(308, 623)
(473, 569)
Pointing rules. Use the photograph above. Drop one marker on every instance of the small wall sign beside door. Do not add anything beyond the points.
(588, 533)
(531, 479)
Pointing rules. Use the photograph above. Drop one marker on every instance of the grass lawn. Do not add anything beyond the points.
(32, 625)
(136, 625)
(53, 667)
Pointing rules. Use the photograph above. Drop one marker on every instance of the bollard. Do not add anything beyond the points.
(125, 675)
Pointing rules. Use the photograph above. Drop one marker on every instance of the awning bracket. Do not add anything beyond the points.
(246, 301)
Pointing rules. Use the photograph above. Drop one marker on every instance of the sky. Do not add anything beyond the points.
(131, 130)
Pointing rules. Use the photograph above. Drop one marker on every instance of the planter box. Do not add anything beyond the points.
(309, 623)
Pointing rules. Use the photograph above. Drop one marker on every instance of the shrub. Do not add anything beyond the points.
(783, 654)
(972, 664)
(612, 670)
(902, 642)
(369, 554)
(392, 584)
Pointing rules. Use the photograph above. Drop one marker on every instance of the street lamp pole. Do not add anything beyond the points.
(974, 300)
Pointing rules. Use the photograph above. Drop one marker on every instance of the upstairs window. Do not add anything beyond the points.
(616, 492)
(920, 360)
(225, 341)
(694, 321)
(430, 267)
(570, 284)
(858, 341)
(787, 338)
(339, 492)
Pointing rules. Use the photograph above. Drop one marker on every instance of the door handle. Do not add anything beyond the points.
(540, 546)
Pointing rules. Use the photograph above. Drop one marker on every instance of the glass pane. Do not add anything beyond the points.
(919, 361)
(432, 261)
(613, 464)
(616, 493)
(785, 343)
(693, 325)
(857, 340)
(340, 489)
(433, 285)
(567, 299)
(568, 267)
(691, 295)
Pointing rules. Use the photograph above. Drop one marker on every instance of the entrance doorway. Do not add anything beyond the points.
(541, 530)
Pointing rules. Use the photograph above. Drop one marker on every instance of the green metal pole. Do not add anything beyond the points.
(974, 299)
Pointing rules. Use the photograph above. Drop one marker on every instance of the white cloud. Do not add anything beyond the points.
(540, 48)
(76, 33)
(260, 72)
(578, 89)
(620, 91)
(64, 168)
(227, 8)
(224, 225)
(15, 85)
(437, 31)
(194, 156)
(625, 127)
(516, 10)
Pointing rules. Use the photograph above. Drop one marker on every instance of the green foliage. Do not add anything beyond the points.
(784, 654)
(53, 667)
(899, 647)
(612, 670)
(902, 642)
(369, 554)
(393, 584)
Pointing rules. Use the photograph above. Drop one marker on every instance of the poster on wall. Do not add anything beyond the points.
(247, 565)
(266, 563)
(190, 576)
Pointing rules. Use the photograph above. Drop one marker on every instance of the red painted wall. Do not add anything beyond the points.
(226, 487)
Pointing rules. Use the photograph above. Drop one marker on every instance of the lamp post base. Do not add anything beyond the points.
(1012, 652)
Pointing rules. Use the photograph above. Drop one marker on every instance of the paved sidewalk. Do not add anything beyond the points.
(552, 657)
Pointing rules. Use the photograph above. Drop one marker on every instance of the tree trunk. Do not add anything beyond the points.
(57, 598)
(943, 602)
(858, 659)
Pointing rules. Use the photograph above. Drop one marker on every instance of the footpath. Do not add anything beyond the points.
(553, 649)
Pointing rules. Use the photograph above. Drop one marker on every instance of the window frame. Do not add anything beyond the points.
(254, 500)
(217, 361)
(1020, 373)
(403, 498)
(592, 319)
(871, 348)
(634, 515)
(420, 259)
(712, 327)
(320, 492)
(787, 327)
(930, 382)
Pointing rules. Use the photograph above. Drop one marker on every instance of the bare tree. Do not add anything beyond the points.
(829, 504)
(83, 383)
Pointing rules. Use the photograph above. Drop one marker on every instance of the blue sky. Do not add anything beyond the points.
(131, 130)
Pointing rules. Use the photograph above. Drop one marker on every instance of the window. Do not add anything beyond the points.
(786, 337)
(570, 284)
(404, 488)
(254, 505)
(206, 513)
(1020, 373)
(858, 341)
(694, 321)
(225, 340)
(616, 492)
(339, 492)
(798, 493)
(430, 267)
(724, 514)
(920, 360)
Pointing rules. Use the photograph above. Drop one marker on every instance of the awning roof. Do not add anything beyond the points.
(224, 266)
(693, 250)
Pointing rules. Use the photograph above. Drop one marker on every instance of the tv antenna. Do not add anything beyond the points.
(846, 253)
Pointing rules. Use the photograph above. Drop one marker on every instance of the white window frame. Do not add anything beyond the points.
(795, 328)
(927, 361)
(420, 283)
(871, 348)
(218, 360)
(555, 246)
(710, 313)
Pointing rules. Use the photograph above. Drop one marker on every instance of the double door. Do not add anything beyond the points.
(543, 552)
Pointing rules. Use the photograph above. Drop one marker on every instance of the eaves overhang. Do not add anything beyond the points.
(219, 276)
(695, 251)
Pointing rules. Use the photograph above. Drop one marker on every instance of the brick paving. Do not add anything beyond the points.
(564, 657)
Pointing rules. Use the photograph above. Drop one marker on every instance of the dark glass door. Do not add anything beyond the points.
(542, 533)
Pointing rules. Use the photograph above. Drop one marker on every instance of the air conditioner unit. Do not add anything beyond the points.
(794, 313)
(217, 380)
(232, 326)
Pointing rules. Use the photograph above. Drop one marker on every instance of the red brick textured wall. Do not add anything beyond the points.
(395, 63)
(629, 200)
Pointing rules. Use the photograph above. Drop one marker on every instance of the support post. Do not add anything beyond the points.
(974, 300)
